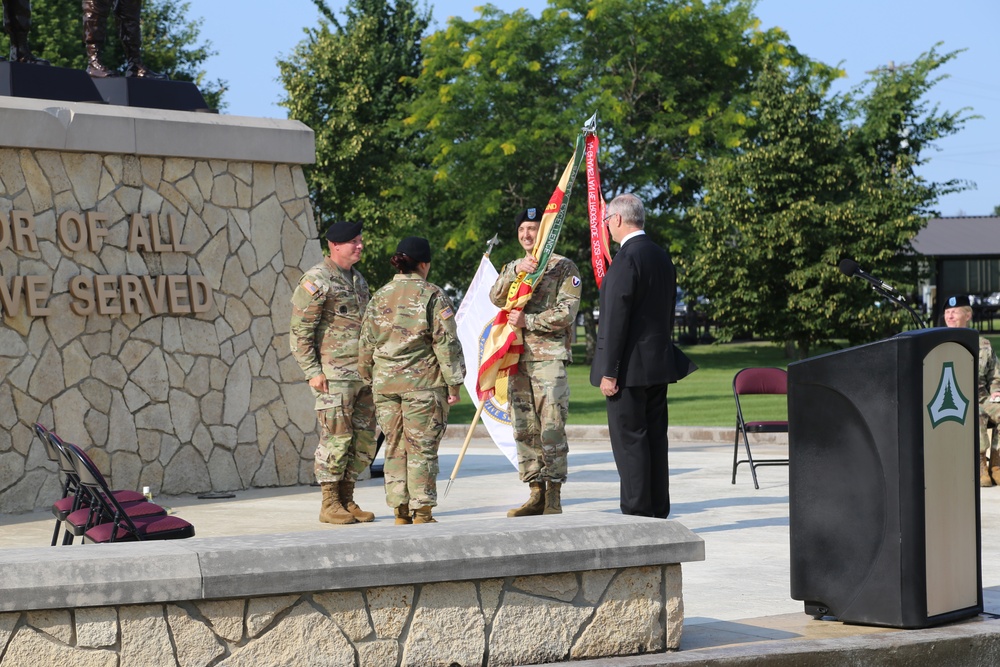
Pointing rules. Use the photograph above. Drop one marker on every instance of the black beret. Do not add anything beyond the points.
(342, 232)
(416, 248)
(531, 214)
(957, 301)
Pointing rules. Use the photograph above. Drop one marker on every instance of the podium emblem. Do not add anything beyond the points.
(949, 403)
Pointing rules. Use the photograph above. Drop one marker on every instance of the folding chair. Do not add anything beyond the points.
(75, 498)
(67, 502)
(751, 381)
(121, 527)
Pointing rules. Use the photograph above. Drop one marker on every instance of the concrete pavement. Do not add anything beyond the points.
(736, 602)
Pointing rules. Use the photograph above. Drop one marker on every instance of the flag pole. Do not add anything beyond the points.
(465, 447)
(479, 411)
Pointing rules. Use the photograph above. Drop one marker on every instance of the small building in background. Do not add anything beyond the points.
(963, 255)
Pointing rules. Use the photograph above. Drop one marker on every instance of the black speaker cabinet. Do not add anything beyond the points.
(884, 482)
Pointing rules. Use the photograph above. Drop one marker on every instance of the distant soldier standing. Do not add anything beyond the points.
(409, 352)
(539, 391)
(327, 307)
(958, 313)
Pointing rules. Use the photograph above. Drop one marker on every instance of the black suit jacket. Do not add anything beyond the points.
(636, 318)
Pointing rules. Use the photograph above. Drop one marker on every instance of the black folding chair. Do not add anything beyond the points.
(68, 501)
(760, 381)
(76, 506)
(121, 527)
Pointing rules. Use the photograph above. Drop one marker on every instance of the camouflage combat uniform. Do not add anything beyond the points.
(409, 352)
(327, 306)
(989, 382)
(539, 391)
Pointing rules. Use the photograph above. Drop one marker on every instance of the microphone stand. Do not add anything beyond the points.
(900, 301)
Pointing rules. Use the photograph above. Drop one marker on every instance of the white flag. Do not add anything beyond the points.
(473, 319)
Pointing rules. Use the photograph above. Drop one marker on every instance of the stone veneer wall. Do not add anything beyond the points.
(179, 403)
(512, 621)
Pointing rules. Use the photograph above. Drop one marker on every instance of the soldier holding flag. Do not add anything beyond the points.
(539, 390)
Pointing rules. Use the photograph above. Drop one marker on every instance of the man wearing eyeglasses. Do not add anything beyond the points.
(539, 391)
(635, 358)
(327, 307)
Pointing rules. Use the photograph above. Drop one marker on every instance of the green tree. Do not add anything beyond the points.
(820, 178)
(349, 82)
(171, 41)
(501, 98)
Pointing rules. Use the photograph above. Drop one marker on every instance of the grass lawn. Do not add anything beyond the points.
(704, 398)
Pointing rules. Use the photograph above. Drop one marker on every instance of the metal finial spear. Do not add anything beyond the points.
(492, 242)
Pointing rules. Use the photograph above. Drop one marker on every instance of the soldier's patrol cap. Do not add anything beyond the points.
(957, 301)
(416, 248)
(343, 231)
(530, 214)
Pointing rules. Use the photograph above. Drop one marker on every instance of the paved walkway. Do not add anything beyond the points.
(737, 597)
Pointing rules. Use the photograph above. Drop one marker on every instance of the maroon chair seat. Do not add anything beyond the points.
(149, 528)
(87, 517)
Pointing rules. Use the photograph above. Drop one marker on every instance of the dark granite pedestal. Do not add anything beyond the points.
(152, 93)
(47, 82)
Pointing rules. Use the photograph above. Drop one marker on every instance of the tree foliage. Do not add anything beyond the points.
(350, 80)
(820, 178)
(502, 97)
(757, 177)
(171, 41)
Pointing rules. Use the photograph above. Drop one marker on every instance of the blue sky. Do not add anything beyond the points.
(860, 35)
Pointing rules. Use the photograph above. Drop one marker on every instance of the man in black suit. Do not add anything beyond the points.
(635, 358)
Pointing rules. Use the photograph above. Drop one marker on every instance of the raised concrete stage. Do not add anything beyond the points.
(467, 592)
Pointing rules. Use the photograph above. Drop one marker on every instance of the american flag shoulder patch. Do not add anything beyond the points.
(446, 313)
(310, 286)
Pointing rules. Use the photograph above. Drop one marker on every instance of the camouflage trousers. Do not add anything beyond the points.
(347, 431)
(989, 413)
(413, 424)
(539, 403)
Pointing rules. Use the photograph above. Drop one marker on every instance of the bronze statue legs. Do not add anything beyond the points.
(17, 24)
(95, 29)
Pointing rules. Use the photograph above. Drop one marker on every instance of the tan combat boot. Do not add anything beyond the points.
(347, 498)
(332, 511)
(423, 515)
(984, 471)
(535, 504)
(995, 466)
(403, 517)
(553, 501)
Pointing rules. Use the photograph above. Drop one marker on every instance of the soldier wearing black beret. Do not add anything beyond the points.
(539, 391)
(327, 307)
(958, 313)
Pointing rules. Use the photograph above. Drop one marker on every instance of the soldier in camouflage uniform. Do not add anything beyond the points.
(958, 313)
(327, 306)
(539, 391)
(410, 353)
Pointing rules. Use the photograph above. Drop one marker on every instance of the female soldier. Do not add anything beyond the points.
(409, 352)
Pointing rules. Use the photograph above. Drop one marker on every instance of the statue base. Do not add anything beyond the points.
(152, 93)
(46, 82)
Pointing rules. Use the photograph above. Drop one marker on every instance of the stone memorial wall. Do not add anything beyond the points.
(147, 259)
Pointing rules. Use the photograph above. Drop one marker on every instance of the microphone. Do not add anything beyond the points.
(851, 268)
